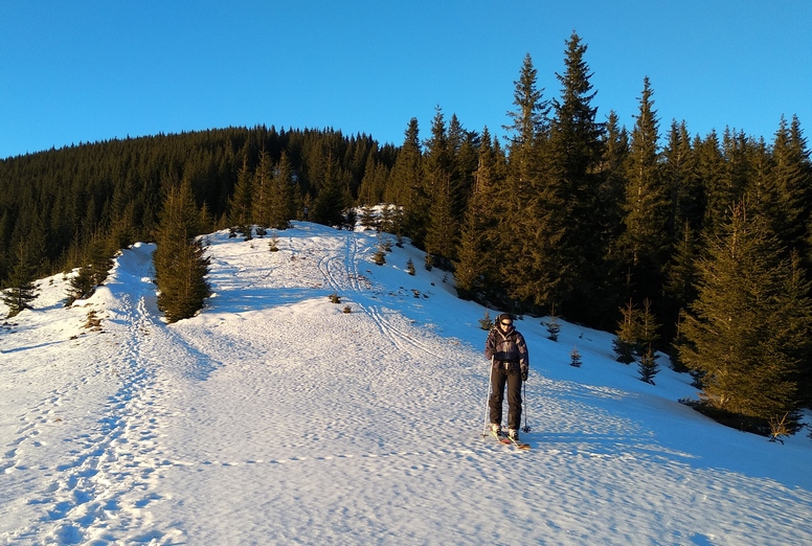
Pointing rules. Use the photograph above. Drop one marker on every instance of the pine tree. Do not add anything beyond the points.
(681, 272)
(241, 203)
(647, 365)
(790, 187)
(712, 174)
(21, 289)
(575, 358)
(274, 206)
(553, 328)
(646, 237)
(626, 334)
(750, 322)
(329, 205)
(477, 266)
(92, 273)
(439, 184)
(406, 188)
(565, 247)
(512, 201)
(179, 259)
(680, 173)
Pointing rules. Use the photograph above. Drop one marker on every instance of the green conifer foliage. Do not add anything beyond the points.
(564, 241)
(439, 185)
(179, 259)
(241, 203)
(752, 317)
(647, 207)
(331, 200)
(477, 267)
(21, 289)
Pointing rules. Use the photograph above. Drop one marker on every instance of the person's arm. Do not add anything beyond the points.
(524, 356)
(490, 345)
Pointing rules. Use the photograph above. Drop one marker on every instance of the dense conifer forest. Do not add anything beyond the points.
(697, 245)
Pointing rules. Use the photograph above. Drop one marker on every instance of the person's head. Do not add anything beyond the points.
(505, 322)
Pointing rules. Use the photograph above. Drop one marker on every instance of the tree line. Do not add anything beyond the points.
(706, 237)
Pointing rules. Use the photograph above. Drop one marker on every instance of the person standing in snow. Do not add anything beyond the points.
(511, 364)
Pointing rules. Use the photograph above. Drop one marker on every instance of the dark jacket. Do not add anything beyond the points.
(507, 347)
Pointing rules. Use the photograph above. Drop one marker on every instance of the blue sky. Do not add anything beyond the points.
(85, 71)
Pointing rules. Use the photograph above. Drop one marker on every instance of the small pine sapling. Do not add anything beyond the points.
(410, 267)
(648, 366)
(553, 328)
(486, 323)
(624, 343)
(575, 358)
(334, 298)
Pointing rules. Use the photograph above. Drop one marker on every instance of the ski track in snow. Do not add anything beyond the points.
(275, 417)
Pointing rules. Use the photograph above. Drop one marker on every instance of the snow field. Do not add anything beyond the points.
(274, 417)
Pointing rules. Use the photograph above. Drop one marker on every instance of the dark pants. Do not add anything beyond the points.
(513, 378)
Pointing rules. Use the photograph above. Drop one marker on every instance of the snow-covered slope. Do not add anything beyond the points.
(274, 417)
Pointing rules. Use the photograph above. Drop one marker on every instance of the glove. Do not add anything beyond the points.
(524, 374)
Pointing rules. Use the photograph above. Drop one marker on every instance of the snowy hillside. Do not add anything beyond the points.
(274, 417)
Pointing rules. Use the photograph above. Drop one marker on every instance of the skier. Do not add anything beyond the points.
(511, 364)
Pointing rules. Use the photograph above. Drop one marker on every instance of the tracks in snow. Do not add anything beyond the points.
(341, 273)
(104, 490)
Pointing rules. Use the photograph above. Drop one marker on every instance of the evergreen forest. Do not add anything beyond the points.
(695, 245)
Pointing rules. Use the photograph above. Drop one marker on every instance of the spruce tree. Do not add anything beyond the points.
(686, 193)
(439, 184)
(565, 245)
(330, 202)
(626, 334)
(646, 235)
(512, 201)
(406, 189)
(179, 259)
(750, 322)
(712, 174)
(647, 365)
(241, 202)
(477, 267)
(21, 290)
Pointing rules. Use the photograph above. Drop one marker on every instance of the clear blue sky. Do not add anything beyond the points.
(84, 71)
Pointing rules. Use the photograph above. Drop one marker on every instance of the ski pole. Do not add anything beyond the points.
(526, 428)
(487, 402)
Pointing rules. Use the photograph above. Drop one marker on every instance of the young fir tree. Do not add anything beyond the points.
(476, 268)
(441, 235)
(679, 169)
(21, 289)
(241, 202)
(575, 358)
(179, 259)
(646, 236)
(406, 189)
(92, 273)
(790, 180)
(712, 172)
(750, 322)
(647, 365)
(626, 335)
(329, 205)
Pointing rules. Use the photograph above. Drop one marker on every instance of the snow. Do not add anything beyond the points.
(274, 417)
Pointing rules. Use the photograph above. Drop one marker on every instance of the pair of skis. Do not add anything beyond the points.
(507, 440)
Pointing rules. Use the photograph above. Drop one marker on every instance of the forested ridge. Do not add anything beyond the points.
(696, 245)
